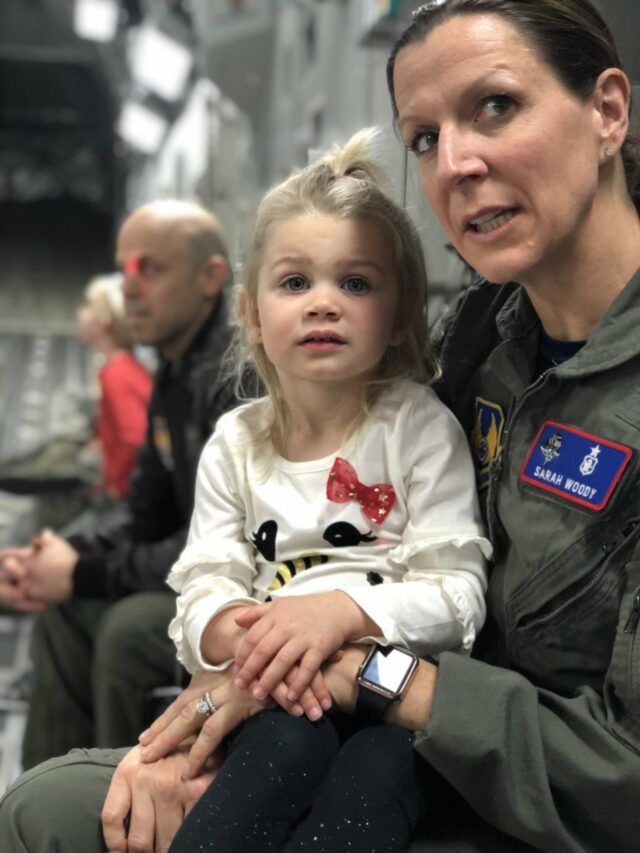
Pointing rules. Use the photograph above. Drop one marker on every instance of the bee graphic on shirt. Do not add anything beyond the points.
(340, 534)
(288, 569)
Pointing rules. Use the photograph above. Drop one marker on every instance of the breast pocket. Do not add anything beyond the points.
(568, 642)
(622, 684)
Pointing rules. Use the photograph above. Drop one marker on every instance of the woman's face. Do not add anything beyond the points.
(508, 157)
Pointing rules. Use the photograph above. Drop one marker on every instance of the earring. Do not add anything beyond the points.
(608, 152)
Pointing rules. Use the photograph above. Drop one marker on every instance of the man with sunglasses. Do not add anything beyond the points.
(100, 642)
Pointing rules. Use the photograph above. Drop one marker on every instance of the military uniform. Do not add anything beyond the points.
(97, 655)
(542, 737)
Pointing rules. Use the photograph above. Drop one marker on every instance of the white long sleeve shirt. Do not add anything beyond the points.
(264, 526)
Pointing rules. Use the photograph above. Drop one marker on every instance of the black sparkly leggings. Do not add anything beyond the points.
(292, 785)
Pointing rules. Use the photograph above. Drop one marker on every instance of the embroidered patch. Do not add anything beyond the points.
(577, 466)
(487, 436)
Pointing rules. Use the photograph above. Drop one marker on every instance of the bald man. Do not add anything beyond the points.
(100, 642)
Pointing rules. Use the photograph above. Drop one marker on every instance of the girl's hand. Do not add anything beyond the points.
(313, 701)
(301, 630)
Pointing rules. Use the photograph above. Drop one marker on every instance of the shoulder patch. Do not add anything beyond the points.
(575, 465)
(486, 438)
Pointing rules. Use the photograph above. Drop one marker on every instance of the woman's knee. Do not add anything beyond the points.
(56, 805)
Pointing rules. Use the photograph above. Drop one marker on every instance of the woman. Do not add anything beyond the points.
(518, 112)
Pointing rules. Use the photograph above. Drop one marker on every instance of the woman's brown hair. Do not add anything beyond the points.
(571, 36)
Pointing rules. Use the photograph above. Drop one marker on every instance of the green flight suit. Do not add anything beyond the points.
(540, 732)
(543, 739)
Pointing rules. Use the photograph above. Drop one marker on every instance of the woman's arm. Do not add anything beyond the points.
(411, 712)
(542, 768)
(222, 636)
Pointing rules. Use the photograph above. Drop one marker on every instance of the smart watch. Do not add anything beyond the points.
(382, 679)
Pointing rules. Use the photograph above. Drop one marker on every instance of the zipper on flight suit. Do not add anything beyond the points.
(630, 628)
(634, 616)
(611, 549)
(495, 469)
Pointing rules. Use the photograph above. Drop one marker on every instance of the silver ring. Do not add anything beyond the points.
(205, 705)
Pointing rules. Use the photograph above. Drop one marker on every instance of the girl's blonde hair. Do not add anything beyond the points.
(104, 294)
(344, 184)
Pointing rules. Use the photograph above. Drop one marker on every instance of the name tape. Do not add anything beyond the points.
(575, 465)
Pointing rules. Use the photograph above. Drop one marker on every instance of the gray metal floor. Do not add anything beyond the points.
(14, 661)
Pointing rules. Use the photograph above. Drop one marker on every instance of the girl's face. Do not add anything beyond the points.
(508, 158)
(89, 325)
(325, 307)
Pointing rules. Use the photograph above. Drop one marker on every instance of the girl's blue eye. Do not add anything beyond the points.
(295, 284)
(423, 141)
(355, 284)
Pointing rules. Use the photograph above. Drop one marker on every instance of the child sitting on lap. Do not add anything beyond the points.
(341, 507)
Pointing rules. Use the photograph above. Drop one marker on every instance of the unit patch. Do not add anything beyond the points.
(580, 467)
(487, 436)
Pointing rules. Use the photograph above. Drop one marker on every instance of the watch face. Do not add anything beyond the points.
(388, 671)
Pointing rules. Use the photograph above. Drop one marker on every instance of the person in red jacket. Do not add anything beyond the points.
(125, 384)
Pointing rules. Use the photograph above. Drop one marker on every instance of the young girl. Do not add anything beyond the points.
(345, 500)
(125, 385)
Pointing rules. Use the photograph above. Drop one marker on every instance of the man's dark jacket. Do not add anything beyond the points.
(136, 544)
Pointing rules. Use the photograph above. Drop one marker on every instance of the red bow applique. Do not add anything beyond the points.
(343, 485)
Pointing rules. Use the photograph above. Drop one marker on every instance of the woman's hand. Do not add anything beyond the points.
(152, 799)
(182, 720)
(293, 631)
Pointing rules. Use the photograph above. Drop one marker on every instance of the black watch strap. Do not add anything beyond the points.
(371, 706)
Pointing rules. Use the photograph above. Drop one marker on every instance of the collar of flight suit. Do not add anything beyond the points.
(613, 341)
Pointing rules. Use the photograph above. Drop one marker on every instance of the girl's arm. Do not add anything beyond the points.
(223, 636)
(441, 560)
(216, 569)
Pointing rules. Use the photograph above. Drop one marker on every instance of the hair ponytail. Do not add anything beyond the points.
(353, 160)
